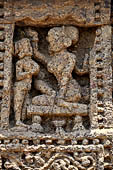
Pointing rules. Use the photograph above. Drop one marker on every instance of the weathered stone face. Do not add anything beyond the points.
(56, 110)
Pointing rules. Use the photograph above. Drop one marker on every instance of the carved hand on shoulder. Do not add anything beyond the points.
(29, 76)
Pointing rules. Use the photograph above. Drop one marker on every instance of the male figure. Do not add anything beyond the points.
(63, 62)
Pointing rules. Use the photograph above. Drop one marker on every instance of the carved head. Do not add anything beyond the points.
(73, 33)
(62, 37)
(32, 34)
(23, 48)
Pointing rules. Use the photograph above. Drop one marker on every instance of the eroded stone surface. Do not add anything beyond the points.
(56, 85)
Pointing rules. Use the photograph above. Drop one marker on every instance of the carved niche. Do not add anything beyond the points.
(51, 81)
(56, 85)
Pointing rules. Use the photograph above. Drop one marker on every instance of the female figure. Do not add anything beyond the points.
(41, 80)
(25, 69)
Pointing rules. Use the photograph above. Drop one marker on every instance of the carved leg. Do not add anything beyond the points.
(62, 103)
(43, 100)
(61, 98)
(62, 92)
(19, 96)
(44, 88)
(27, 102)
(69, 105)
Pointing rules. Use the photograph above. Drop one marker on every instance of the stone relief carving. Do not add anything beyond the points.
(56, 85)
(25, 69)
(59, 161)
(51, 95)
(30, 154)
(59, 63)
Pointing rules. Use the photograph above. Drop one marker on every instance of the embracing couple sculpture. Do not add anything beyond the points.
(62, 64)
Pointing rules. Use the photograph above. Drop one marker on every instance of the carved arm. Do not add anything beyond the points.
(33, 35)
(34, 67)
(67, 71)
(20, 72)
(40, 57)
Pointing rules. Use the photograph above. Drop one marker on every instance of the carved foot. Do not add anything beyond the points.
(63, 103)
(20, 124)
(19, 127)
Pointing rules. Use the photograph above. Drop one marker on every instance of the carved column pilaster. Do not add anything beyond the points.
(101, 79)
(8, 52)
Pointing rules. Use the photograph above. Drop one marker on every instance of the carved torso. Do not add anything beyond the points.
(62, 64)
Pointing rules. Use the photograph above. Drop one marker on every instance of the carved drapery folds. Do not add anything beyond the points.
(56, 85)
